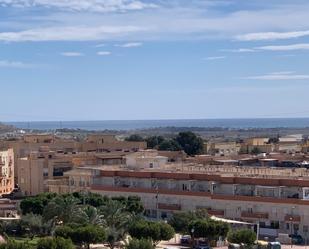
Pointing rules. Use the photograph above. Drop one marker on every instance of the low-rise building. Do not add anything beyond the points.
(222, 148)
(30, 143)
(278, 199)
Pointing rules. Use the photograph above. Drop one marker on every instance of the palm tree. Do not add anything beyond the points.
(116, 220)
(93, 216)
(64, 210)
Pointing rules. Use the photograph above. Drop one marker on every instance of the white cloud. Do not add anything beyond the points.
(14, 64)
(212, 58)
(300, 46)
(104, 53)
(239, 50)
(101, 6)
(285, 75)
(73, 33)
(130, 45)
(170, 20)
(72, 54)
(264, 36)
(291, 47)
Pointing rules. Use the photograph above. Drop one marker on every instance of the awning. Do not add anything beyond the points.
(230, 221)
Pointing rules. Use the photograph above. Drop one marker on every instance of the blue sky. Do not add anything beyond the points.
(164, 59)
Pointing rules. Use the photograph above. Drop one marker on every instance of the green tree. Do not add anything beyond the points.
(95, 200)
(245, 236)
(180, 221)
(84, 235)
(15, 245)
(63, 231)
(117, 220)
(169, 145)
(256, 151)
(208, 229)
(135, 138)
(156, 231)
(134, 205)
(154, 141)
(36, 204)
(93, 216)
(55, 243)
(32, 224)
(64, 210)
(139, 244)
(190, 143)
(88, 235)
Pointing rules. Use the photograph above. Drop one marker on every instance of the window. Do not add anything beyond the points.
(184, 187)
(287, 226)
(45, 172)
(274, 224)
(305, 229)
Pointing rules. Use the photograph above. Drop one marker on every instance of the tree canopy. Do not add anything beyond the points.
(55, 243)
(190, 143)
(135, 138)
(208, 229)
(139, 244)
(245, 236)
(156, 231)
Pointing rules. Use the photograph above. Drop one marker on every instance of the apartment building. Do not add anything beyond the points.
(6, 171)
(277, 199)
(30, 143)
(35, 170)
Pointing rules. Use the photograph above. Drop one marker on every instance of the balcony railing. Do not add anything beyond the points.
(254, 215)
(292, 218)
(215, 212)
(165, 206)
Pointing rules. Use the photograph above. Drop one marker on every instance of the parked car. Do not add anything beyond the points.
(297, 239)
(274, 245)
(185, 240)
(203, 247)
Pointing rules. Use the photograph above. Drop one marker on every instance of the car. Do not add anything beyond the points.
(297, 239)
(203, 247)
(185, 240)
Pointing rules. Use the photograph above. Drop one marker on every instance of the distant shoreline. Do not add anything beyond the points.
(254, 123)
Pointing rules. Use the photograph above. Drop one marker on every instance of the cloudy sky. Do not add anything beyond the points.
(142, 59)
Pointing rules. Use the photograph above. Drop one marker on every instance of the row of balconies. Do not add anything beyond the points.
(245, 214)
(213, 188)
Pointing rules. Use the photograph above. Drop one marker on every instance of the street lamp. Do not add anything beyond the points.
(257, 230)
(291, 222)
(192, 233)
(157, 202)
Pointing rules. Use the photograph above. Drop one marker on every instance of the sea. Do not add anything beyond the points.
(148, 124)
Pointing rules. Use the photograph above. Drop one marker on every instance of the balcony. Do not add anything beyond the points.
(254, 215)
(173, 207)
(292, 218)
(215, 212)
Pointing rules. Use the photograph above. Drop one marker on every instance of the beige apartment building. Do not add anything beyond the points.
(6, 171)
(277, 199)
(30, 143)
(37, 168)
(222, 148)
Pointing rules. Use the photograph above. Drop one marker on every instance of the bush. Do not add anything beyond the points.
(82, 235)
(55, 243)
(156, 231)
(245, 236)
(209, 229)
(15, 245)
(139, 244)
